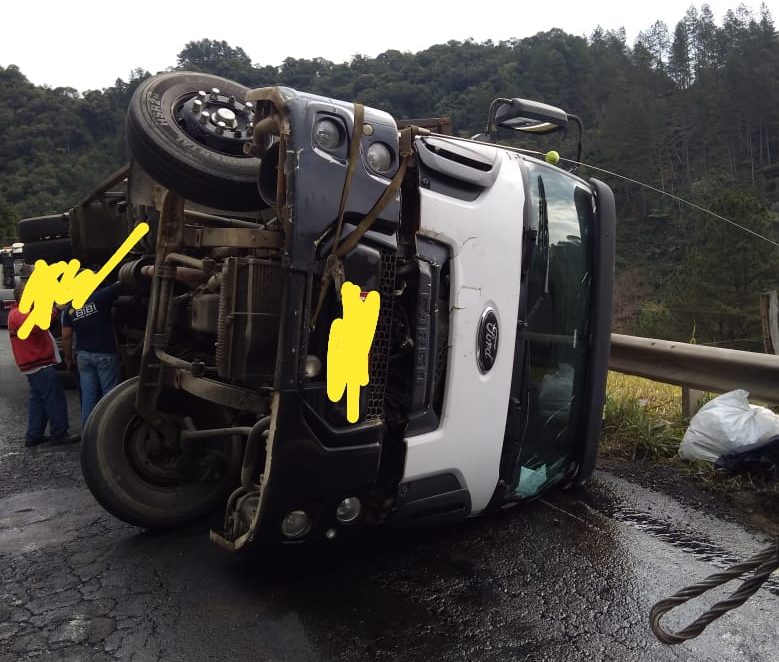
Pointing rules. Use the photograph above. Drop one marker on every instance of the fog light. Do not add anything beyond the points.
(327, 134)
(296, 524)
(348, 510)
(379, 157)
(312, 366)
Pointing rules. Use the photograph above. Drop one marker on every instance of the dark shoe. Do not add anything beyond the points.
(65, 439)
(35, 442)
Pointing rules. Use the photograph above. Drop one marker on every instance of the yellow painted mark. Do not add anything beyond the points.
(61, 283)
(348, 346)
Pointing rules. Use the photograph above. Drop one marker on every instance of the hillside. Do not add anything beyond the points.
(693, 111)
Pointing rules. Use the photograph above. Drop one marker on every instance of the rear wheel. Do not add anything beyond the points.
(136, 478)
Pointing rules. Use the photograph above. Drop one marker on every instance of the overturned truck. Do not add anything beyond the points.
(486, 369)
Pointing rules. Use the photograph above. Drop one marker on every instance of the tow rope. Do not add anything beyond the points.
(763, 564)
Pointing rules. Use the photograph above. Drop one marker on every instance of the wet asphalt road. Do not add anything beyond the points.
(571, 577)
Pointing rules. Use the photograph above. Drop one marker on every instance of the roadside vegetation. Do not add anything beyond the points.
(643, 422)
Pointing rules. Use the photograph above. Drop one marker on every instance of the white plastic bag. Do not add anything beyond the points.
(725, 423)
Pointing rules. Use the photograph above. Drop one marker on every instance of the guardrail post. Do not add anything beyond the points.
(769, 312)
(692, 401)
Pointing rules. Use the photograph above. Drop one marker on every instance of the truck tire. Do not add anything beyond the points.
(51, 250)
(134, 478)
(169, 142)
(43, 227)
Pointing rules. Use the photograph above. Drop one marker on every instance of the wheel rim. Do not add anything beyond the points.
(216, 120)
(165, 466)
(148, 455)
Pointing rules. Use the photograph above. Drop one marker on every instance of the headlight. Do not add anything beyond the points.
(296, 524)
(348, 510)
(327, 134)
(379, 157)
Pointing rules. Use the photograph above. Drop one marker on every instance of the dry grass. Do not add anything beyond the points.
(643, 419)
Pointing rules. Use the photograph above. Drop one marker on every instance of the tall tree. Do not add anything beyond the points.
(716, 290)
(8, 218)
(680, 62)
(216, 57)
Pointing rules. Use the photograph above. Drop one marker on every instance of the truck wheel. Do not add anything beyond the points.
(172, 132)
(51, 250)
(43, 227)
(135, 478)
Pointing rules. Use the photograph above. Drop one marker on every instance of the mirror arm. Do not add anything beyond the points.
(578, 122)
(491, 116)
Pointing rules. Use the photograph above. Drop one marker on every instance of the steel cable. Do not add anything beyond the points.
(763, 564)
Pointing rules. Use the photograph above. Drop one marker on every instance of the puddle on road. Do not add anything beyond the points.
(698, 547)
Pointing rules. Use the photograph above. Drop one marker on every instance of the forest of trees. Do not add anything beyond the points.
(691, 110)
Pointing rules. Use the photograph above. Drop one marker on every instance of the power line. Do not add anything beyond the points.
(657, 190)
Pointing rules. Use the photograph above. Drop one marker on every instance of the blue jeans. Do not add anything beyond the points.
(98, 374)
(47, 405)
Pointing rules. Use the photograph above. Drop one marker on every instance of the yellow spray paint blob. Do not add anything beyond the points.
(61, 283)
(348, 346)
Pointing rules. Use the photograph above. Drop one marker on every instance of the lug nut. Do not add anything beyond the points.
(249, 104)
(214, 93)
(202, 95)
(227, 116)
(197, 106)
(204, 118)
(220, 127)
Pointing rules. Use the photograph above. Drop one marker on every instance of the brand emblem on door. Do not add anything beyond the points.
(487, 341)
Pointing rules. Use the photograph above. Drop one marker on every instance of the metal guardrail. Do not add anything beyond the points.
(697, 366)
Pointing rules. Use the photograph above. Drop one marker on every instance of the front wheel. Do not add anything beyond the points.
(188, 131)
(138, 479)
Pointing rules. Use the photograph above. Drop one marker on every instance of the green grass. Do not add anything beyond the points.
(643, 419)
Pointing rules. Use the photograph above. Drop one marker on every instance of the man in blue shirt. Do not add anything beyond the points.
(98, 361)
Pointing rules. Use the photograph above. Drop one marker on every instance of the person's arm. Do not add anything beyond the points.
(67, 338)
(67, 345)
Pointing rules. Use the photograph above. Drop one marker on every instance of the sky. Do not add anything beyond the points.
(88, 45)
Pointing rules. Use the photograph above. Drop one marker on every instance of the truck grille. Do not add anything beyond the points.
(379, 358)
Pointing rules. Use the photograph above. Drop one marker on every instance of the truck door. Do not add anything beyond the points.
(548, 388)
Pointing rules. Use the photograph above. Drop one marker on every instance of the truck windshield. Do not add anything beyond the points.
(558, 281)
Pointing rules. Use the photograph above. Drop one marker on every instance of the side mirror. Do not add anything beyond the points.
(529, 117)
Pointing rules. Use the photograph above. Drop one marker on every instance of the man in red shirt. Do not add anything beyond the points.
(36, 357)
